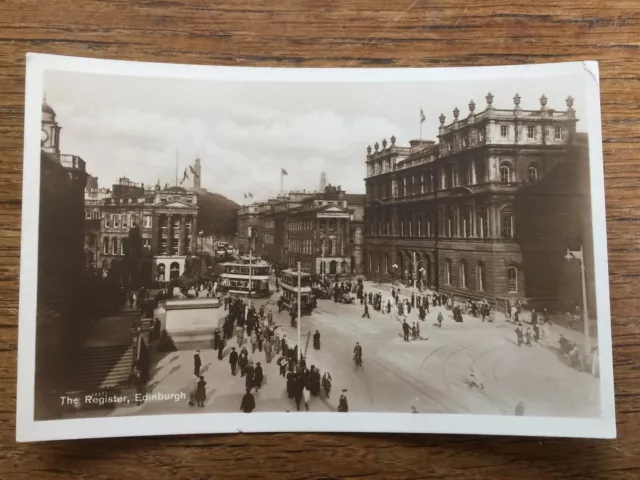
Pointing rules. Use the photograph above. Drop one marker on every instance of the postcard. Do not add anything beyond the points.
(223, 249)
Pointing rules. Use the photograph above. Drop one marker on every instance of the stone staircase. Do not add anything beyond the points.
(104, 367)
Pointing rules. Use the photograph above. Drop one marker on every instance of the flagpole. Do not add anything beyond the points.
(421, 125)
(281, 181)
(176, 167)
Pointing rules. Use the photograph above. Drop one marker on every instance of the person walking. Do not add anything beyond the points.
(197, 363)
(221, 348)
(248, 402)
(519, 334)
(248, 382)
(406, 329)
(268, 351)
(258, 376)
(233, 360)
(343, 404)
(316, 340)
(282, 363)
(529, 337)
(243, 363)
(366, 311)
(440, 319)
(201, 392)
(307, 396)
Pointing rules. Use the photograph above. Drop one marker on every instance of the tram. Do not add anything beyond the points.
(237, 275)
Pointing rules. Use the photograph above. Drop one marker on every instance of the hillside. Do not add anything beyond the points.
(217, 214)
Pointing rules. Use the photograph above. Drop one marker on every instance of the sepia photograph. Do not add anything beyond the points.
(219, 249)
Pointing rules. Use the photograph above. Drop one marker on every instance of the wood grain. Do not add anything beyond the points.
(346, 33)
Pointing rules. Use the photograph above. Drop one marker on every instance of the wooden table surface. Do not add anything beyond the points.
(339, 33)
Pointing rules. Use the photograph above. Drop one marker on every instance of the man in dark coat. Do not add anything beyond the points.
(413, 300)
(366, 311)
(201, 392)
(233, 360)
(258, 376)
(406, 329)
(299, 385)
(291, 380)
(248, 402)
(243, 362)
(221, 349)
(216, 338)
(197, 363)
(316, 340)
(249, 380)
(314, 381)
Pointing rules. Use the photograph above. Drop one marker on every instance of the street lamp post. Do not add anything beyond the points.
(579, 255)
(394, 267)
(299, 311)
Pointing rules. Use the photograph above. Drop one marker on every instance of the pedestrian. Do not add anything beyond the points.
(418, 330)
(413, 300)
(201, 392)
(268, 351)
(529, 336)
(156, 328)
(285, 346)
(243, 363)
(414, 331)
(254, 341)
(248, 382)
(519, 334)
(343, 404)
(406, 329)
(193, 388)
(221, 348)
(258, 376)
(240, 334)
(269, 317)
(282, 363)
(326, 383)
(388, 307)
(316, 340)
(366, 311)
(291, 377)
(233, 360)
(314, 381)
(248, 402)
(197, 363)
(216, 338)
(307, 396)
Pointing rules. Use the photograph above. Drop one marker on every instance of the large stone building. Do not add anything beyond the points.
(322, 230)
(248, 228)
(60, 254)
(453, 214)
(141, 234)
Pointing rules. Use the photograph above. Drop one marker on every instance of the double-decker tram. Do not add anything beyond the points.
(289, 284)
(237, 275)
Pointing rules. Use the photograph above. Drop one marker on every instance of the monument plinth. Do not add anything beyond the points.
(190, 322)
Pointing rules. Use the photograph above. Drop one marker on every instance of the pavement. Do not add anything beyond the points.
(426, 376)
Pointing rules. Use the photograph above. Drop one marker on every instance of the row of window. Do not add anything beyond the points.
(380, 264)
(463, 275)
(270, 224)
(268, 238)
(466, 228)
(450, 177)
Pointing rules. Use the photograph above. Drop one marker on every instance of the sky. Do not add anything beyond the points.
(244, 133)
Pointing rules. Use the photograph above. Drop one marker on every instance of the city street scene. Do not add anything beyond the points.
(205, 247)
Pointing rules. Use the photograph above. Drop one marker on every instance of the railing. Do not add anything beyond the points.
(72, 161)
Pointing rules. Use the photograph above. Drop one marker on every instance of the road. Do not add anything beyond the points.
(427, 376)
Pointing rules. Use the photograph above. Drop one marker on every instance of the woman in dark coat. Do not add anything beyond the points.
(258, 376)
(249, 372)
(201, 392)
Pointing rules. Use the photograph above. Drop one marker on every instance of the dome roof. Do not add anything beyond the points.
(46, 108)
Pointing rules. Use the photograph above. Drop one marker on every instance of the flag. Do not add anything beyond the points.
(422, 117)
(193, 171)
(245, 195)
(250, 195)
(284, 172)
(184, 177)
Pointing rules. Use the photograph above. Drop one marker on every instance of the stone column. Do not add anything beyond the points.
(169, 236)
(182, 248)
(194, 234)
(155, 234)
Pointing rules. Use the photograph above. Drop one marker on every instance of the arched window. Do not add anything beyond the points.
(505, 174)
(482, 279)
(532, 172)
(174, 270)
(512, 279)
(507, 222)
(463, 274)
(447, 271)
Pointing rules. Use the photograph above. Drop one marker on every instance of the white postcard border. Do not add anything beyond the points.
(27, 429)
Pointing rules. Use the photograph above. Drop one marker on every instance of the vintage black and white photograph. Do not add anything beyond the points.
(205, 245)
